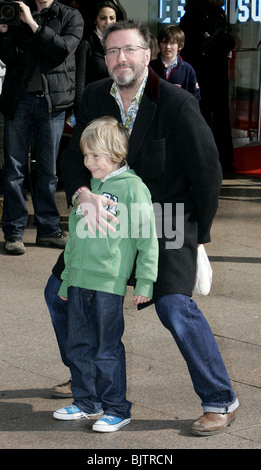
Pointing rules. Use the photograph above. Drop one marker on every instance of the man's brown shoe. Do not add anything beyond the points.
(62, 390)
(212, 423)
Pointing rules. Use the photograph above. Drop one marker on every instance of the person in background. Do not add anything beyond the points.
(102, 14)
(208, 48)
(95, 278)
(39, 86)
(154, 47)
(169, 64)
(80, 55)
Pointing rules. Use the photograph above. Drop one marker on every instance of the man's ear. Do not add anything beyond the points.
(147, 56)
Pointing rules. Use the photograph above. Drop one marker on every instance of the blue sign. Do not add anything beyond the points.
(170, 11)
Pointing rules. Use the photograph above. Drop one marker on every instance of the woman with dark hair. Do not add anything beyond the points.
(87, 6)
(102, 14)
(97, 15)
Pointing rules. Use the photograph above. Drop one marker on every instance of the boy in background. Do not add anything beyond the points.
(169, 64)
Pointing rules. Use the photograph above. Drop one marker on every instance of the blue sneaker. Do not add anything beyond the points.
(73, 412)
(110, 423)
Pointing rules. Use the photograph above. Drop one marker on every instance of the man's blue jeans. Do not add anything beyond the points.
(96, 353)
(32, 122)
(58, 312)
(196, 342)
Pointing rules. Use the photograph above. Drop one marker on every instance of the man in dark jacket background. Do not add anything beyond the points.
(208, 47)
(39, 86)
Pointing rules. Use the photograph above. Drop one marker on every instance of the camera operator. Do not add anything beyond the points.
(39, 86)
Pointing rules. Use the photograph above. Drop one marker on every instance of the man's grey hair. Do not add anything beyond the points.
(142, 29)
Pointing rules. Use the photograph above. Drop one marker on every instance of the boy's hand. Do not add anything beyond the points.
(140, 299)
(94, 212)
(63, 298)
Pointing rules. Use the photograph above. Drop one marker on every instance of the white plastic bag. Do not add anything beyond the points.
(204, 273)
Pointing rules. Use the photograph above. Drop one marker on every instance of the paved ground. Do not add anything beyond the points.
(164, 402)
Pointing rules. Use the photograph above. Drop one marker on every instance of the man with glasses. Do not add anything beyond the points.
(173, 151)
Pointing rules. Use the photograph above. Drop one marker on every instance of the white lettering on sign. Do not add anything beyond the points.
(170, 11)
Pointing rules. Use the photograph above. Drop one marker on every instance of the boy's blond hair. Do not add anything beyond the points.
(108, 136)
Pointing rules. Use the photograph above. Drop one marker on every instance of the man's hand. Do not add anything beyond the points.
(94, 212)
(140, 299)
(26, 16)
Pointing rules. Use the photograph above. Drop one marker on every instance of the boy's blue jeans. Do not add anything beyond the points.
(181, 316)
(96, 353)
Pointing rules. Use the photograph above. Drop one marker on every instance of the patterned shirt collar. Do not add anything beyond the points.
(128, 119)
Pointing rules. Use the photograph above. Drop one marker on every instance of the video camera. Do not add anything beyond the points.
(9, 13)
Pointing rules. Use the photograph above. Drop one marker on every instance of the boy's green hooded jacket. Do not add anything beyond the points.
(105, 263)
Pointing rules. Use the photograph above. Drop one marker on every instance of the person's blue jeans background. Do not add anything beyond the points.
(196, 342)
(32, 121)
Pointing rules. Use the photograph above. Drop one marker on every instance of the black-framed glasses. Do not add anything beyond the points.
(127, 50)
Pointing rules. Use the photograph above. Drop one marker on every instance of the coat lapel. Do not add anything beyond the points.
(145, 115)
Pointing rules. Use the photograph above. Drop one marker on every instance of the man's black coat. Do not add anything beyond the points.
(172, 149)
